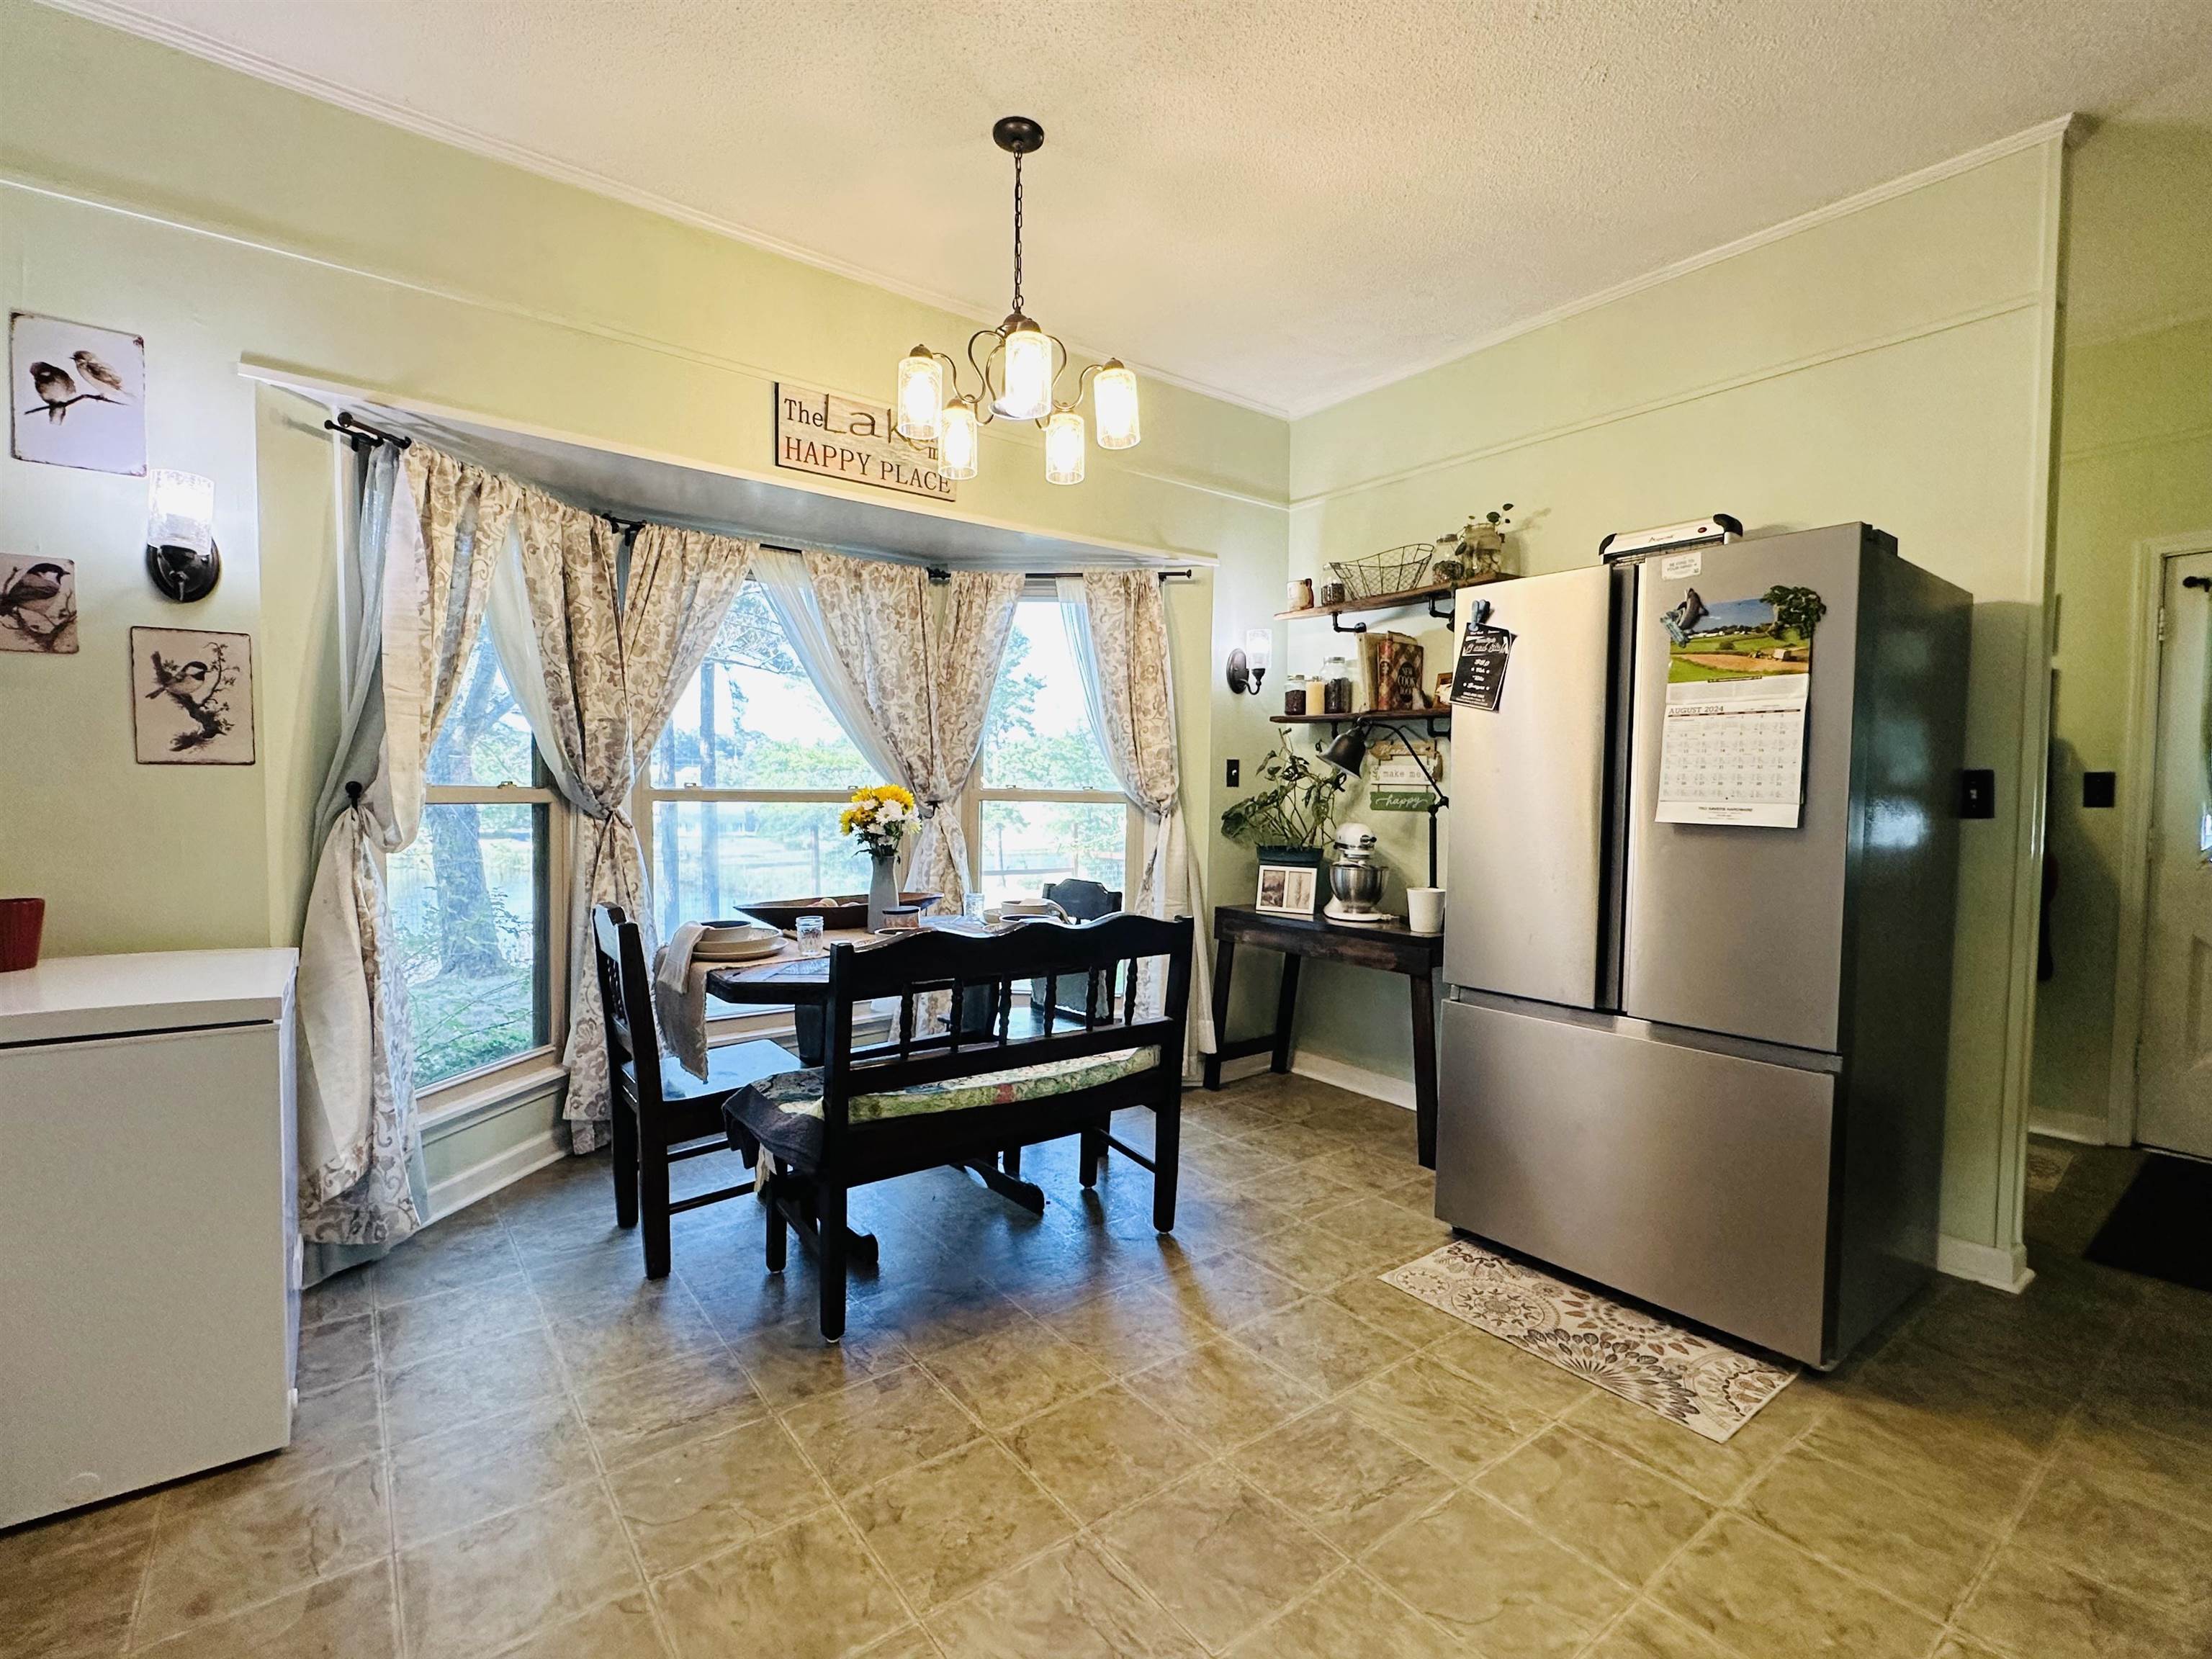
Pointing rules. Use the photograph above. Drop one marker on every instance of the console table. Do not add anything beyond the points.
(1385, 946)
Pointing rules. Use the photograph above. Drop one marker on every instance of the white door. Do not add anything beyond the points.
(2174, 1060)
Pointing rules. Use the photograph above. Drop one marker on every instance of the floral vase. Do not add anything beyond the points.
(883, 888)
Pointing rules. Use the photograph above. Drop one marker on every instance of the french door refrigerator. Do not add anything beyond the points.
(1698, 963)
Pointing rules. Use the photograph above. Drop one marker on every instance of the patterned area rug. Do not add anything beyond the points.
(1683, 1376)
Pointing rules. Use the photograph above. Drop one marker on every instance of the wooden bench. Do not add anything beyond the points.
(939, 1092)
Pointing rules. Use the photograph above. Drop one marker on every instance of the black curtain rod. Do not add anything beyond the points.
(363, 436)
(939, 575)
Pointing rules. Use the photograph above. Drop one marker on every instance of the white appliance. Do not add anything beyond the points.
(149, 1262)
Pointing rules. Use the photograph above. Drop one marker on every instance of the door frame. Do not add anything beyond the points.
(2146, 657)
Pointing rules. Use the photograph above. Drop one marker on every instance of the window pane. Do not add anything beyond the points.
(1039, 736)
(711, 857)
(1028, 843)
(752, 719)
(465, 903)
(484, 740)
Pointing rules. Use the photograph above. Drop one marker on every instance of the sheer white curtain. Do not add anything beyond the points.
(416, 574)
(782, 576)
(1117, 631)
(925, 673)
(606, 676)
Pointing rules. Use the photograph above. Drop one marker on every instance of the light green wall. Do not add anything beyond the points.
(2135, 464)
(222, 218)
(1888, 364)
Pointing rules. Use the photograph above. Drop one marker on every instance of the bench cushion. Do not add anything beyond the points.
(799, 1093)
(783, 1113)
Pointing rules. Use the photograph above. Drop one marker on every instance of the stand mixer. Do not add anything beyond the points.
(1355, 880)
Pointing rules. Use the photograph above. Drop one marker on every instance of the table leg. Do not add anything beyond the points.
(1286, 1011)
(1425, 1068)
(1225, 959)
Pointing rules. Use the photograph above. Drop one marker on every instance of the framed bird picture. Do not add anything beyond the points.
(37, 604)
(191, 697)
(76, 394)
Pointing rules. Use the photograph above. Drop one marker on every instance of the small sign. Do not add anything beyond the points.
(1478, 677)
(838, 437)
(1396, 784)
(1681, 567)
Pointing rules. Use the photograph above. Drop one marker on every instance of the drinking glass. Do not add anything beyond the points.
(809, 929)
(975, 908)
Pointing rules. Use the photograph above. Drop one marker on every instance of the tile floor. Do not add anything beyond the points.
(1065, 1437)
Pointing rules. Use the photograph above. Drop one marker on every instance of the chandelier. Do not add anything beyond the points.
(1015, 375)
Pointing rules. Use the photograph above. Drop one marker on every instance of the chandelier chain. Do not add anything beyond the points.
(1017, 233)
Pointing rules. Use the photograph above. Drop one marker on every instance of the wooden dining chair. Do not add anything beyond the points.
(661, 1115)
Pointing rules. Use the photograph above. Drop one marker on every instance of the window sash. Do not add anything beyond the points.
(550, 873)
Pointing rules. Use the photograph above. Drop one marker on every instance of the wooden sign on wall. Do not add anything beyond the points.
(820, 432)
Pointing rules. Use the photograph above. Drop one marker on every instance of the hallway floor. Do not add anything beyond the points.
(1067, 1436)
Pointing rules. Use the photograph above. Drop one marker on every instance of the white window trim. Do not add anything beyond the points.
(505, 1081)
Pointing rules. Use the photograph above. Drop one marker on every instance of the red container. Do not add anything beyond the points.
(21, 921)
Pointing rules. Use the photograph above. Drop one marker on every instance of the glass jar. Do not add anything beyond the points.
(1294, 695)
(1336, 690)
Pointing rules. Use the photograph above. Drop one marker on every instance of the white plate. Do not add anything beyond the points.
(736, 950)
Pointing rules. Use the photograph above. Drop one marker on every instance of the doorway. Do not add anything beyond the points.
(2173, 1048)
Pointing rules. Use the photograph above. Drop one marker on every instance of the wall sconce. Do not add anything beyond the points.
(180, 550)
(1248, 666)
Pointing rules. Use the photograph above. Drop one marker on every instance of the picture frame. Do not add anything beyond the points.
(77, 395)
(38, 604)
(191, 697)
(1289, 890)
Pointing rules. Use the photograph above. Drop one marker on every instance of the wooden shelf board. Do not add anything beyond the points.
(1398, 601)
(1378, 716)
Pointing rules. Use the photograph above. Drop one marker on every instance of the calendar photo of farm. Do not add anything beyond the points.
(1748, 639)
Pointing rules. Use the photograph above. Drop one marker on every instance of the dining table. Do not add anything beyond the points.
(795, 979)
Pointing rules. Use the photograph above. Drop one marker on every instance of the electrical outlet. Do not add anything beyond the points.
(1236, 773)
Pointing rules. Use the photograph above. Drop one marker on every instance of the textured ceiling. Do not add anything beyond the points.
(1283, 201)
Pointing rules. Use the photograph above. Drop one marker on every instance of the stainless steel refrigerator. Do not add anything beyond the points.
(1698, 980)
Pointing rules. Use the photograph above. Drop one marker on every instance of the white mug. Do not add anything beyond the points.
(1425, 909)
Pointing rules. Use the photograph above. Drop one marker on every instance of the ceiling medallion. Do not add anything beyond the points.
(1016, 375)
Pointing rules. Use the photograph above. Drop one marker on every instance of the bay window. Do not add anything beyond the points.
(474, 898)
(740, 801)
(1047, 808)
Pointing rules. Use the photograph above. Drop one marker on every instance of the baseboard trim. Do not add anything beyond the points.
(464, 1187)
(1376, 1085)
(2089, 1128)
(2004, 1266)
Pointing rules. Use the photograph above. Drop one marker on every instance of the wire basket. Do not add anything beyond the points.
(1392, 571)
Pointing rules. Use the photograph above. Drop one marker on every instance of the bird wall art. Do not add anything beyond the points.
(191, 694)
(38, 604)
(76, 394)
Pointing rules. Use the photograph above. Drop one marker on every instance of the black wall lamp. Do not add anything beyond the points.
(1248, 666)
(181, 557)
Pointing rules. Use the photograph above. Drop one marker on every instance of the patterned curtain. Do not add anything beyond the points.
(927, 681)
(419, 565)
(611, 677)
(1117, 627)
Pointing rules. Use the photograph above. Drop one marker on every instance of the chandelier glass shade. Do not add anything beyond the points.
(1016, 374)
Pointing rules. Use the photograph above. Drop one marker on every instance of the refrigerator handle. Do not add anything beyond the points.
(1613, 812)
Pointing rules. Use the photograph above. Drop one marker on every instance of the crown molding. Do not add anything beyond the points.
(167, 32)
(2067, 128)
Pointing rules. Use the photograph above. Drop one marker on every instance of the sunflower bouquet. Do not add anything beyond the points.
(879, 817)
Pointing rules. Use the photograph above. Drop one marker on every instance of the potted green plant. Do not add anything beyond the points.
(1295, 808)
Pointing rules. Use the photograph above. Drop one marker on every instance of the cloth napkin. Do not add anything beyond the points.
(679, 999)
